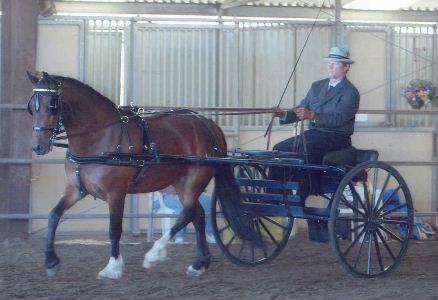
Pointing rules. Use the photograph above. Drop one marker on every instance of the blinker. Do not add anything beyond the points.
(37, 102)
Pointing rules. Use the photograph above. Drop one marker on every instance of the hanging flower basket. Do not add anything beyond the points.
(419, 93)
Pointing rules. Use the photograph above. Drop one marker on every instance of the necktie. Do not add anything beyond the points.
(330, 88)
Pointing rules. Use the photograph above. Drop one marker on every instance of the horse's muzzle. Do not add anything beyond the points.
(39, 149)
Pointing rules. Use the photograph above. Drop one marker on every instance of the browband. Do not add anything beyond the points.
(45, 90)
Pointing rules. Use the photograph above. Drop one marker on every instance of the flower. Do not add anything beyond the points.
(420, 92)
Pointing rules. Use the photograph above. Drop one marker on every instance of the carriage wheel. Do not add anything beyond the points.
(273, 231)
(371, 219)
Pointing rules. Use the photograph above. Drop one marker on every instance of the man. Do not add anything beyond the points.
(330, 105)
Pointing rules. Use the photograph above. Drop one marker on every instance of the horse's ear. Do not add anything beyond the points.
(32, 78)
(46, 76)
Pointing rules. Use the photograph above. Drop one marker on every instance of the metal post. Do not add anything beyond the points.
(389, 36)
(338, 24)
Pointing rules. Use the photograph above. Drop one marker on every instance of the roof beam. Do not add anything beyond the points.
(137, 8)
(234, 3)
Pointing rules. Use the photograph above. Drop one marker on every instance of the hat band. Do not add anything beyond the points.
(338, 56)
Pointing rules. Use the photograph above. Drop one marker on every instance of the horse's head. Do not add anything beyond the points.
(45, 106)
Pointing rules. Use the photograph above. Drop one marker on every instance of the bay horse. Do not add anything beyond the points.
(95, 127)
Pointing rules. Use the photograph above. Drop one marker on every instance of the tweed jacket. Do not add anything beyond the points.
(335, 110)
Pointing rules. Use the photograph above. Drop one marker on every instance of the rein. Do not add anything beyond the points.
(269, 129)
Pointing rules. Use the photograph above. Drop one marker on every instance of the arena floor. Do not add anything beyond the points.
(305, 270)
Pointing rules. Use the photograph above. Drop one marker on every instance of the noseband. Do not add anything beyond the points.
(55, 108)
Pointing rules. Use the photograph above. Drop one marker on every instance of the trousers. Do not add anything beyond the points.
(318, 143)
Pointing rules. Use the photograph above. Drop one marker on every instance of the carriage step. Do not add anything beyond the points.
(269, 198)
(272, 210)
(266, 183)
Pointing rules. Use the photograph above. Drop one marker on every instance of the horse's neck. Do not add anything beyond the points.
(90, 124)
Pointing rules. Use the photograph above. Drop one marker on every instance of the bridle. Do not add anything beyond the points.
(55, 108)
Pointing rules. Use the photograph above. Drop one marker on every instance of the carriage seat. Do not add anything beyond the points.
(349, 157)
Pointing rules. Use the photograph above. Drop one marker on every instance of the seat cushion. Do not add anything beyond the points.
(366, 155)
(343, 157)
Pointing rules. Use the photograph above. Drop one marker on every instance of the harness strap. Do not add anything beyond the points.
(148, 148)
(82, 190)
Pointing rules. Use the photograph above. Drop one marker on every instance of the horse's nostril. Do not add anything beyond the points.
(37, 148)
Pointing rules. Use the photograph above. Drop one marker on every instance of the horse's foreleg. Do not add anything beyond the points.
(202, 261)
(52, 260)
(115, 266)
(158, 251)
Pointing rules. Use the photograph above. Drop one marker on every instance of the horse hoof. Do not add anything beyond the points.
(113, 270)
(147, 264)
(51, 272)
(193, 272)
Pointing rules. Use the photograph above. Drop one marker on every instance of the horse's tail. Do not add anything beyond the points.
(228, 191)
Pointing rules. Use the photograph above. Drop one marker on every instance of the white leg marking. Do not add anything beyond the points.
(193, 272)
(157, 253)
(113, 270)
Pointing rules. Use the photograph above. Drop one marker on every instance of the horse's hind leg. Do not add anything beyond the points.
(158, 251)
(115, 266)
(202, 261)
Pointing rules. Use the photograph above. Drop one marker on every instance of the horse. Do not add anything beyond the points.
(105, 159)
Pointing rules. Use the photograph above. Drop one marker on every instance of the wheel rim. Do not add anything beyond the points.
(273, 231)
(371, 219)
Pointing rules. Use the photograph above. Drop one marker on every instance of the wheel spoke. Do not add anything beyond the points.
(395, 191)
(386, 245)
(345, 201)
(231, 240)
(355, 228)
(361, 247)
(239, 254)
(393, 235)
(356, 197)
(375, 177)
(269, 233)
(252, 246)
(399, 222)
(274, 222)
(379, 256)
(354, 242)
(370, 250)
(261, 238)
(366, 195)
(383, 189)
(224, 228)
(393, 209)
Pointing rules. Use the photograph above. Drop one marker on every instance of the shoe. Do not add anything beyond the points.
(179, 240)
(427, 229)
(418, 233)
(211, 239)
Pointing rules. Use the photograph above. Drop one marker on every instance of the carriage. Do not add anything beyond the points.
(366, 212)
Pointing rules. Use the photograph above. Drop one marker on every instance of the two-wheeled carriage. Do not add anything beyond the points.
(367, 214)
(116, 152)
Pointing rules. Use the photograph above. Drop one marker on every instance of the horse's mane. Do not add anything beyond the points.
(93, 93)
